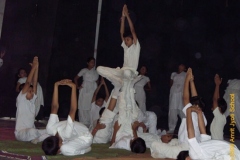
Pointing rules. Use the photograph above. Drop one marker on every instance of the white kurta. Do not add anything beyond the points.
(140, 95)
(234, 89)
(1, 62)
(211, 149)
(40, 100)
(182, 132)
(131, 57)
(150, 121)
(175, 98)
(25, 129)
(86, 93)
(217, 125)
(76, 137)
(167, 150)
(94, 112)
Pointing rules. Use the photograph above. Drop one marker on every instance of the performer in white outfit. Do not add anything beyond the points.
(1, 57)
(86, 90)
(103, 131)
(98, 103)
(195, 101)
(219, 108)
(232, 97)
(22, 74)
(175, 97)
(206, 148)
(25, 129)
(131, 48)
(140, 95)
(68, 137)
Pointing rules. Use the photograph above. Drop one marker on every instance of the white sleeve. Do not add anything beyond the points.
(124, 45)
(172, 75)
(68, 129)
(1, 62)
(147, 79)
(81, 73)
(53, 119)
(185, 108)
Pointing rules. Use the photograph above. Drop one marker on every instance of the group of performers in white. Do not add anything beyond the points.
(120, 118)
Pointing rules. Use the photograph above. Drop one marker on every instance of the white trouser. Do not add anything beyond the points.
(29, 134)
(77, 146)
(173, 118)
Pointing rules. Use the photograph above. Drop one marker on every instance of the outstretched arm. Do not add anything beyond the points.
(29, 80)
(96, 91)
(55, 104)
(106, 90)
(35, 79)
(115, 130)
(122, 24)
(186, 87)
(190, 128)
(73, 107)
(192, 86)
(125, 9)
(217, 81)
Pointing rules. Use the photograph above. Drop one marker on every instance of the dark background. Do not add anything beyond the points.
(204, 35)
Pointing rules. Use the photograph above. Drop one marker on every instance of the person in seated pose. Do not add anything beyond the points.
(25, 129)
(219, 108)
(98, 102)
(67, 137)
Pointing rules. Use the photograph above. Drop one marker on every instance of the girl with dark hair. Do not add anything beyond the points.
(86, 90)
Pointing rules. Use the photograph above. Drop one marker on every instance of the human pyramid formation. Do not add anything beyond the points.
(119, 123)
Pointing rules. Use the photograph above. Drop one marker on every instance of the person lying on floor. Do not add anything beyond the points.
(207, 148)
(67, 137)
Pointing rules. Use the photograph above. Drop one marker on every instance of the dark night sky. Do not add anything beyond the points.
(203, 34)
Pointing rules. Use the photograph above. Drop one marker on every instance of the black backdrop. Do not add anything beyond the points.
(204, 35)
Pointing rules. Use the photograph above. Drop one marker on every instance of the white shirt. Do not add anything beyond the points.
(178, 82)
(217, 125)
(25, 114)
(1, 62)
(182, 133)
(95, 111)
(131, 55)
(123, 143)
(76, 136)
(209, 149)
(22, 80)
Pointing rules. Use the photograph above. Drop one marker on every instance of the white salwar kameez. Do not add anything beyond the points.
(140, 95)
(89, 85)
(25, 129)
(175, 99)
(39, 101)
(76, 137)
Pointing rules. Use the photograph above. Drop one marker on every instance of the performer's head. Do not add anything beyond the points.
(222, 105)
(138, 145)
(90, 62)
(166, 138)
(143, 70)
(99, 100)
(51, 146)
(181, 68)
(183, 155)
(128, 38)
(197, 101)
